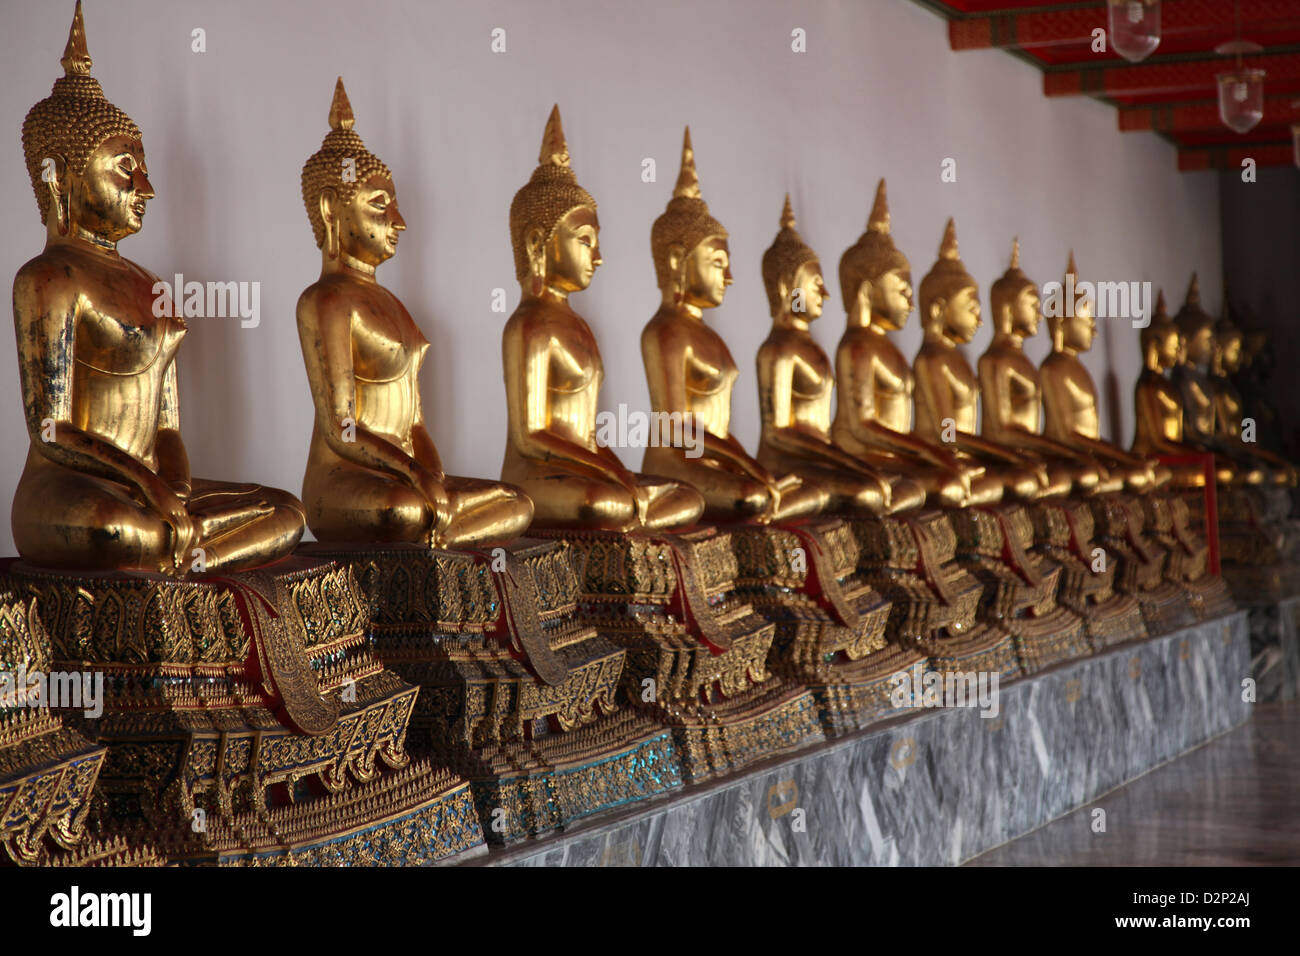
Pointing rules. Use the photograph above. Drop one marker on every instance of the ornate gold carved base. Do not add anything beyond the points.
(697, 651)
(1021, 583)
(830, 621)
(105, 853)
(937, 600)
(1262, 584)
(1166, 519)
(246, 719)
(1166, 608)
(1169, 520)
(1259, 545)
(729, 735)
(528, 787)
(1209, 596)
(984, 647)
(1063, 533)
(863, 691)
(1140, 562)
(517, 694)
(47, 776)
(1060, 635)
(910, 560)
(47, 770)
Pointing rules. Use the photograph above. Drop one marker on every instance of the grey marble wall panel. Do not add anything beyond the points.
(940, 786)
(1275, 649)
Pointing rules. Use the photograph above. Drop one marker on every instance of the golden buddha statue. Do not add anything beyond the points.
(373, 473)
(1177, 416)
(1191, 373)
(664, 591)
(379, 502)
(795, 380)
(1229, 408)
(1252, 382)
(107, 482)
(691, 372)
(553, 369)
(1225, 360)
(1158, 559)
(1159, 406)
(948, 393)
(1009, 383)
(1070, 397)
(1012, 414)
(248, 700)
(873, 418)
(1201, 410)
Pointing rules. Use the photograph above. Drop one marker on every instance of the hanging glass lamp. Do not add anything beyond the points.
(1241, 98)
(1134, 28)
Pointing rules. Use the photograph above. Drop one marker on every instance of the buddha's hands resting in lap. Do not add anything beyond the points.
(606, 466)
(434, 488)
(967, 472)
(777, 488)
(641, 495)
(172, 509)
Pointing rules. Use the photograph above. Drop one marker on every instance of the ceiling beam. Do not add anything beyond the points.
(1202, 115)
(1196, 158)
(1037, 28)
(1185, 77)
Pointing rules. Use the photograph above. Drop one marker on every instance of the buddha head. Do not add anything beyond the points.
(1256, 355)
(1161, 342)
(553, 227)
(349, 194)
(950, 301)
(1229, 341)
(1073, 328)
(84, 155)
(875, 278)
(792, 274)
(1017, 306)
(1197, 327)
(692, 261)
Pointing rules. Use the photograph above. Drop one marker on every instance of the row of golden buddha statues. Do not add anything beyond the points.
(423, 678)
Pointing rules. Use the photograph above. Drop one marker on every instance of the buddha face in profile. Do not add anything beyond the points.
(960, 314)
(107, 198)
(1081, 328)
(891, 298)
(705, 272)
(1200, 345)
(571, 255)
(1026, 313)
(1230, 351)
(811, 288)
(368, 223)
(1169, 348)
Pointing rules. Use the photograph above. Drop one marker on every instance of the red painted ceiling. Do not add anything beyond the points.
(1172, 92)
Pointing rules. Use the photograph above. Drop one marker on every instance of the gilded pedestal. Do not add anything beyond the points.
(909, 559)
(830, 621)
(697, 652)
(1140, 563)
(516, 694)
(1019, 606)
(47, 770)
(1257, 541)
(246, 719)
(1063, 533)
(1167, 518)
